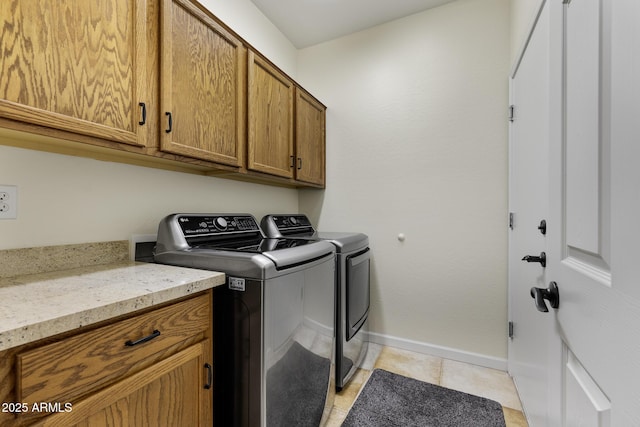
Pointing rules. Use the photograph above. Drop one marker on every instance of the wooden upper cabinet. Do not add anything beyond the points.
(270, 141)
(78, 66)
(86, 71)
(202, 93)
(310, 139)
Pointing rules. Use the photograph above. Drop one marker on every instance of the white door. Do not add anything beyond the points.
(594, 219)
(528, 206)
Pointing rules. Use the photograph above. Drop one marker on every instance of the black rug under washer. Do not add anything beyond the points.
(297, 388)
(393, 400)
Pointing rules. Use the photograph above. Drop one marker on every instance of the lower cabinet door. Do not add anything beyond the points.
(170, 393)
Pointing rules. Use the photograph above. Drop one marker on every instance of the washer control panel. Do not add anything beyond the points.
(207, 225)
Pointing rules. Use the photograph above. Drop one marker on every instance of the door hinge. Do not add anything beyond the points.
(510, 329)
(511, 220)
(512, 112)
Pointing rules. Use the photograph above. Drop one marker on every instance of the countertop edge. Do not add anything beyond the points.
(88, 315)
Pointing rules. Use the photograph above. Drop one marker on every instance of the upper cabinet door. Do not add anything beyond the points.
(270, 119)
(77, 66)
(310, 139)
(203, 69)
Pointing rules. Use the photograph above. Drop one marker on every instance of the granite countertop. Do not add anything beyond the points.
(35, 306)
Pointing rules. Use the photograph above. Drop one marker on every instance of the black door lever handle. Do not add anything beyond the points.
(542, 259)
(551, 294)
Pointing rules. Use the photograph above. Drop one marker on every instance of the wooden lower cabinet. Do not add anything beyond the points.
(97, 378)
(170, 393)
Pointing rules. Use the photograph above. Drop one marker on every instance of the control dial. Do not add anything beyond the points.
(220, 223)
(293, 220)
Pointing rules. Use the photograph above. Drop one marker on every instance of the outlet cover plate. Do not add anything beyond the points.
(8, 202)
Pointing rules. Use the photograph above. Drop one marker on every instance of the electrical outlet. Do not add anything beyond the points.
(8, 202)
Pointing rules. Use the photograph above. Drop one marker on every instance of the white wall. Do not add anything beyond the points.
(64, 199)
(523, 13)
(417, 144)
(251, 24)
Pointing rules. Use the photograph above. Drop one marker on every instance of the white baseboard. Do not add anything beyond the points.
(436, 350)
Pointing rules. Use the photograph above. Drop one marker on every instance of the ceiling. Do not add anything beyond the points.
(309, 22)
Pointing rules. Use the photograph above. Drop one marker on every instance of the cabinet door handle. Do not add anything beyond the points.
(143, 107)
(299, 163)
(169, 122)
(209, 376)
(293, 162)
(154, 334)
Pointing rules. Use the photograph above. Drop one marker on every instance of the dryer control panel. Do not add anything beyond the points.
(286, 225)
(291, 221)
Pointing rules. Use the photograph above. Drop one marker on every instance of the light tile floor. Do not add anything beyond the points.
(485, 382)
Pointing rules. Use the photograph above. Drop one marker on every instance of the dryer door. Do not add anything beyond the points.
(357, 287)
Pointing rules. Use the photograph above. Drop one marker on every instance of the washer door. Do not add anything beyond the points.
(357, 287)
